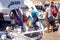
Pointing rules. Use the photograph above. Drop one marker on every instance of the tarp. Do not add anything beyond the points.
(3, 8)
(15, 3)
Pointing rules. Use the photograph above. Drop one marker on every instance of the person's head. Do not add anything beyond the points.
(46, 5)
(52, 3)
(29, 17)
(52, 6)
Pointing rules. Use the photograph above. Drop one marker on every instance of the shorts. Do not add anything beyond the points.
(51, 23)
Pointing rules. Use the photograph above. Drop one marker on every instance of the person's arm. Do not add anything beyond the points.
(10, 14)
(46, 14)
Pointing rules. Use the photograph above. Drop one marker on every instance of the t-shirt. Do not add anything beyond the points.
(48, 9)
(34, 15)
(34, 12)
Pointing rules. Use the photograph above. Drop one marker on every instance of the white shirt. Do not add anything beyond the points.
(48, 9)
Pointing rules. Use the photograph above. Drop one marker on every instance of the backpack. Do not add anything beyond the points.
(54, 11)
(19, 19)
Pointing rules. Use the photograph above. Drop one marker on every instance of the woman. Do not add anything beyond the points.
(49, 20)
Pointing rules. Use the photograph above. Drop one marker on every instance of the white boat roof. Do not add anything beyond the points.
(5, 4)
(2, 8)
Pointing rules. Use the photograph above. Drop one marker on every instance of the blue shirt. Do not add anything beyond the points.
(34, 12)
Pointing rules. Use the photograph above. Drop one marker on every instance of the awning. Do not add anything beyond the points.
(3, 9)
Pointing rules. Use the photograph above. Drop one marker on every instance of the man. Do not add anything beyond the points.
(35, 18)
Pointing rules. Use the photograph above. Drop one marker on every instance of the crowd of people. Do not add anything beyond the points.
(21, 19)
(52, 12)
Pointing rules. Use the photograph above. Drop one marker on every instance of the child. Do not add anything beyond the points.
(29, 23)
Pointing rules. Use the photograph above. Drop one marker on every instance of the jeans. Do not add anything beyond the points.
(35, 25)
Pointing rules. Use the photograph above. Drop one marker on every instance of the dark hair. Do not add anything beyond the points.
(46, 5)
(52, 2)
(52, 5)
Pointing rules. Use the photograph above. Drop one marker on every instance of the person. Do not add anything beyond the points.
(12, 19)
(18, 17)
(58, 17)
(49, 20)
(35, 18)
(46, 15)
(24, 17)
(54, 10)
(29, 21)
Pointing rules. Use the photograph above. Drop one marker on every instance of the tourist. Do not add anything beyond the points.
(49, 20)
(35, 18)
